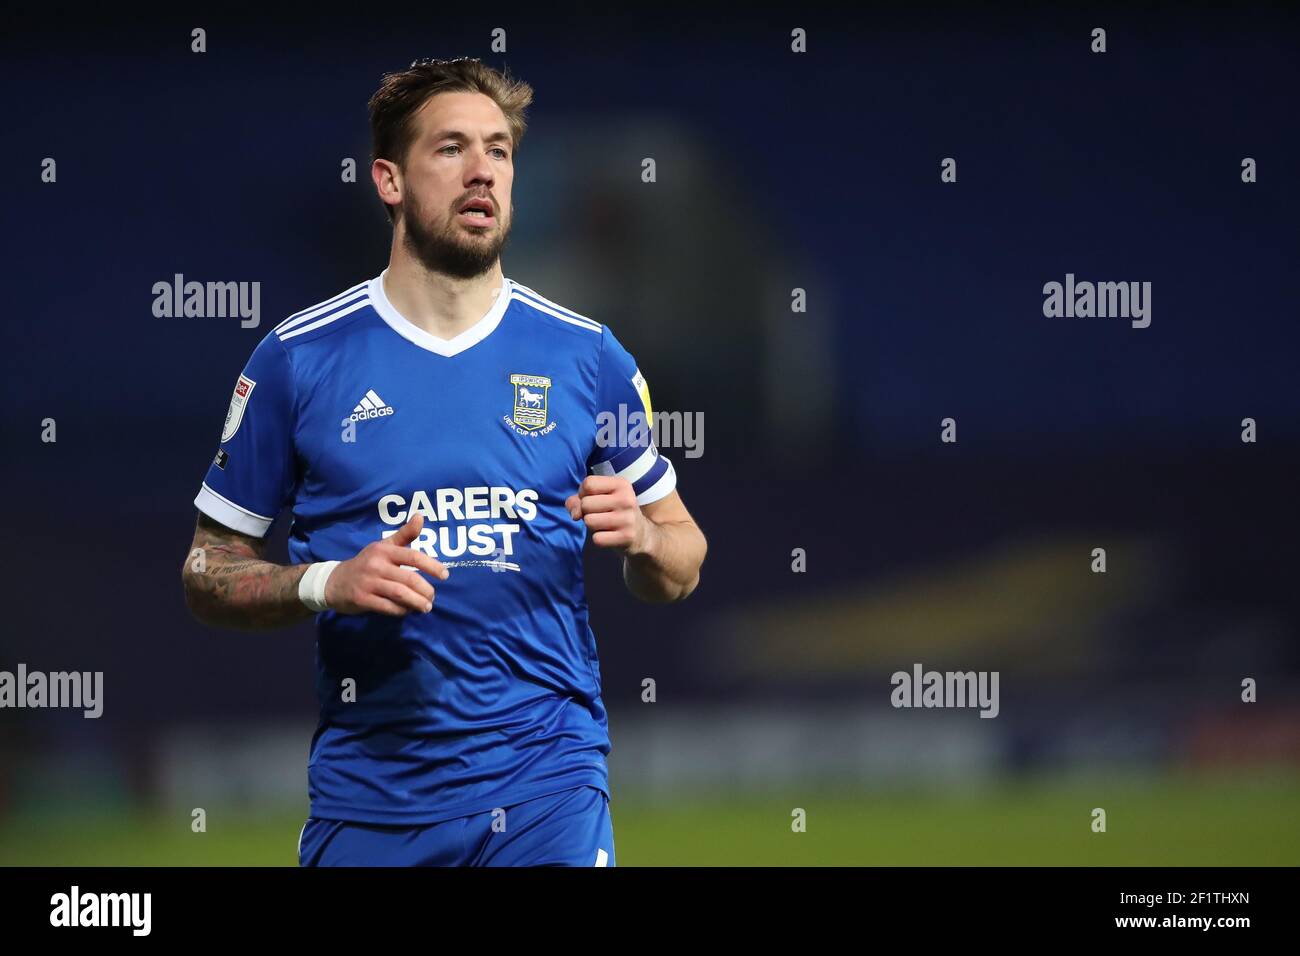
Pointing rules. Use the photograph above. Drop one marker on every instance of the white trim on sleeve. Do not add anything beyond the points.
(230, 514)
(661, 488)
(633, 472)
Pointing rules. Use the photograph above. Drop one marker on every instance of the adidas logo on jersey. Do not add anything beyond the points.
(370, 406)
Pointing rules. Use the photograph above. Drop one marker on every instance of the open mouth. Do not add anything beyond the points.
(477, 212)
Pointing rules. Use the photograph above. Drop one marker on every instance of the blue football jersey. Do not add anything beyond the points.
(355, 419)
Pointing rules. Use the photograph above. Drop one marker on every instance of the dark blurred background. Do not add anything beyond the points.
(775, 171)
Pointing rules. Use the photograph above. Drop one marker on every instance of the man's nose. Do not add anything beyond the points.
(479, 168)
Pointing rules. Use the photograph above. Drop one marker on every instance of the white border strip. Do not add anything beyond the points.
(537, 295)
(563, 318)
(661, 488)
(333, 316)
(231, 515)
(299, 317)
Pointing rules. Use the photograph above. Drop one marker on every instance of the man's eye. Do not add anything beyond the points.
(450, 146)
(500, 152)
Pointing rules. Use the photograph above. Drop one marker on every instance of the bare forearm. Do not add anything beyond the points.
(668, 568)
(229, 584)
(246, 594)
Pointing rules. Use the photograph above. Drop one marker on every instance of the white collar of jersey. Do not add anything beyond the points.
(447, 347)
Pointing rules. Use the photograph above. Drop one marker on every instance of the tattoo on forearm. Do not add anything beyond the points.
(232, 585)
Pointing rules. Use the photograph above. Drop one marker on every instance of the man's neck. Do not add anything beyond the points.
(442, 305)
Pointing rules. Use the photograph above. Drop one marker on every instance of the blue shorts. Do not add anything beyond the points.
(570, 828)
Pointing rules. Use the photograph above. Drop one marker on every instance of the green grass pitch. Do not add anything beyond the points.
(1248, 819)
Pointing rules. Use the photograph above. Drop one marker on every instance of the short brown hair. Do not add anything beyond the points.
(400, 96)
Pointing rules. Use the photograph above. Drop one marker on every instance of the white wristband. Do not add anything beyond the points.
(311, 587)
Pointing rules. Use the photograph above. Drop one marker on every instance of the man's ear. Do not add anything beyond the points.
(387, 177)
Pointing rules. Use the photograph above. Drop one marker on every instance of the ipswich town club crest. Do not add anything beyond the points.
(530, 400)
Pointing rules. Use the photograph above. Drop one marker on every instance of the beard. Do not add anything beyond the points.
(447, 247)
